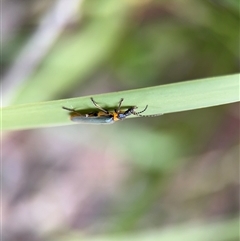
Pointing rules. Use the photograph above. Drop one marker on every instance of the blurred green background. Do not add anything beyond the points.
(174, 177)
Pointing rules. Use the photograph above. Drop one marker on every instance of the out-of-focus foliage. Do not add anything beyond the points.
(136, 175)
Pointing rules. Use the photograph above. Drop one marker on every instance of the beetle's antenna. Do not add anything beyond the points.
(98, 106)
(138, 113)
(155, 115)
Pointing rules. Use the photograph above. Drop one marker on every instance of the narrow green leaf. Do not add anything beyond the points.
(169, 98)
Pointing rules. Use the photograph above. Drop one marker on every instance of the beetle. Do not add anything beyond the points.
(105, 116)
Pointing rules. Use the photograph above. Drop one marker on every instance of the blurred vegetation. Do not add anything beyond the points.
(137, 177)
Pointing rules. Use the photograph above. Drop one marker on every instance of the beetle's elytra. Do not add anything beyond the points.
(103, 116)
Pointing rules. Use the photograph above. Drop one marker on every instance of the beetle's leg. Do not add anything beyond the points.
(119, 105)
(70, 109)
(98, 106)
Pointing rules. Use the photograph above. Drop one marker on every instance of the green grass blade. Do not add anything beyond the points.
(169, 98)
